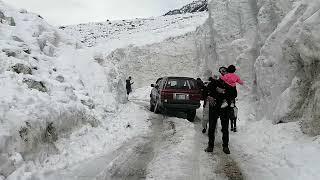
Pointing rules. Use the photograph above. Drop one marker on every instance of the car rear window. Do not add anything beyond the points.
(181, 84)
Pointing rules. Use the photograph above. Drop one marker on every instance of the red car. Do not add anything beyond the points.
(177, 94)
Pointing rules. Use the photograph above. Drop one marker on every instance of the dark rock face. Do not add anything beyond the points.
(9, 52)
(11, 21)
(50, 135)
(21, 68)
(60, 78)
(6, 20)
(38, 85)
(195, 6)
(89, 103)
(23, 11)
(2, 15)
(28, 51)
(16, 38)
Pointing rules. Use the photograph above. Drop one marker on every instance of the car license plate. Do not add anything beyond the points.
(181, 97)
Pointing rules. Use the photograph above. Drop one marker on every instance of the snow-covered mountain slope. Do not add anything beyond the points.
(195, 6)
(119, 34)
(50, 86)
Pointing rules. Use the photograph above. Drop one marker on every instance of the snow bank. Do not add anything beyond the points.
(50, 87)
(268, 151)
(87, 142)
(292, 51)
(275, 46)
(145, 64)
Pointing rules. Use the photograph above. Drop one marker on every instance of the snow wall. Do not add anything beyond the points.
(174, 56)
(276, 45)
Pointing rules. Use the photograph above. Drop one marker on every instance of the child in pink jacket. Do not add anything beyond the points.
(231, 79)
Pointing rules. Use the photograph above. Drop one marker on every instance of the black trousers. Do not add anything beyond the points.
(129, 90)
(214, 113)
(233, 118)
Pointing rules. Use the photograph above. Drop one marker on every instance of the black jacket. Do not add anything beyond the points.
(128, 84)
(212, 91)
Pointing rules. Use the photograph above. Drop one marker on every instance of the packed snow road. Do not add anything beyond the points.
(172, 150)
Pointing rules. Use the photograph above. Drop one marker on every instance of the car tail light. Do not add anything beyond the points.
(165, 95)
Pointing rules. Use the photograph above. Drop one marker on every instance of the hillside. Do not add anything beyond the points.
(195, 6)
(137, 31)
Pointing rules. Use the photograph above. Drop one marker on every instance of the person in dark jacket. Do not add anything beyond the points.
(201, 86)
(216, 90)
(128, 85)
(200, 83)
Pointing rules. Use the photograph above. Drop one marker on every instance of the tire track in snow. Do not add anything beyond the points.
(212, 166)
(222, 166)
(133, 166)
(131, 161)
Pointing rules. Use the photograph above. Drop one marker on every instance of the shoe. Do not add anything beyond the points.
(209, 149)
(231, 129)
(224, 104)
(204, 130)
(234, 129)
(226, 150)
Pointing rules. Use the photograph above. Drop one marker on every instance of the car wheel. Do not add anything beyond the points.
(191, 115)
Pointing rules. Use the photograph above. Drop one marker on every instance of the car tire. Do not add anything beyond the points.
(191, 115)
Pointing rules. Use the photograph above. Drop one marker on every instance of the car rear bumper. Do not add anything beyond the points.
(181, 106)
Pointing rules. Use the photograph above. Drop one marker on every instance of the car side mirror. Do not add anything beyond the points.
(155, 85)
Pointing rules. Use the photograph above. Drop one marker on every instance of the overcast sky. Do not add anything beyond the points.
(61, 12)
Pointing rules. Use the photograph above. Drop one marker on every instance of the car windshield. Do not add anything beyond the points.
(180, 84)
